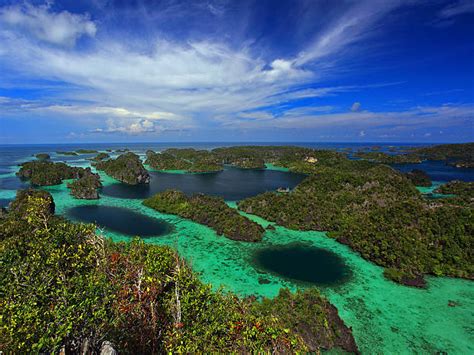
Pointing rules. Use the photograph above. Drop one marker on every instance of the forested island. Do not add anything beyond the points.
(457, 155)
(208, 210)
(67, 289)
(375, 210)
(46, 173)
(190, 160)
(127, 168)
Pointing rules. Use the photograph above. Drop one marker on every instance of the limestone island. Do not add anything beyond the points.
(127, 168)
(46, 173)
(42, 156)
(189, 160)
(208, 210)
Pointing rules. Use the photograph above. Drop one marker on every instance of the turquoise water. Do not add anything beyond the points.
(385, 317)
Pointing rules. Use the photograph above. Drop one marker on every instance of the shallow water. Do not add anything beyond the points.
(385, 317)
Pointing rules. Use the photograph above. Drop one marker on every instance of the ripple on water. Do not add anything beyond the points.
(303, 263)
(121, 220)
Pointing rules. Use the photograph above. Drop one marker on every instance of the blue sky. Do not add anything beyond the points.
(222, 70)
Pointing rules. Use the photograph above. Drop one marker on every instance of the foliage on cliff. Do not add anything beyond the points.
(86, 186)
(127, 168)
(100, 156)
(448, 152)
(166, 161)
(379, 213)
(208, 210)
(63, 287)
(316, 321)
(419, 178)
(42, 156)
(45, 173)
(384, 158)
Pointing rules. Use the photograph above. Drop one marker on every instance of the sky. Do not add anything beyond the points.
(77, 71)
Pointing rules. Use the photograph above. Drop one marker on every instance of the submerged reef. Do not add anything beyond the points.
(127, 168)
(208, 210)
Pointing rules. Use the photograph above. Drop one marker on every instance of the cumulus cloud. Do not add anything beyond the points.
(134, 127)
(62, 28)
(355, 107)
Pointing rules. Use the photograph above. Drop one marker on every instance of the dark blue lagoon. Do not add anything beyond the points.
(439, 170)
(232, 184)
(121, 220)
(303, 263)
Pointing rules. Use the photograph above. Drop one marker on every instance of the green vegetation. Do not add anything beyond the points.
(166, 161)
(208, 210)
(86, 151)
(458, 155)
(45, 173)
(384, 158)
(463, 193)
(463, 152)
(419, 178)
(42, 156)
(66, 153)
(379, 213)
(188, 159)
(127, 168)
(86, 186)
(63, 287)
(100, 156)
(315, 320)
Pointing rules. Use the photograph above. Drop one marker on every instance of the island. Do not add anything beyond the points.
(51, 265)
(86, 151)
(127, 168)
(457, 155)
(372, 208)
(419, 178)
(100, 156)
(208, 210)
(384, 158)
(86, 186)
(46, 173)
(42, 156)
(187, 159)
(66, 153)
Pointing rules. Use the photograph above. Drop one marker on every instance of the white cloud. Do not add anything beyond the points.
(362, 134)
(457, 8)
(63, 28)
(355, 107)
